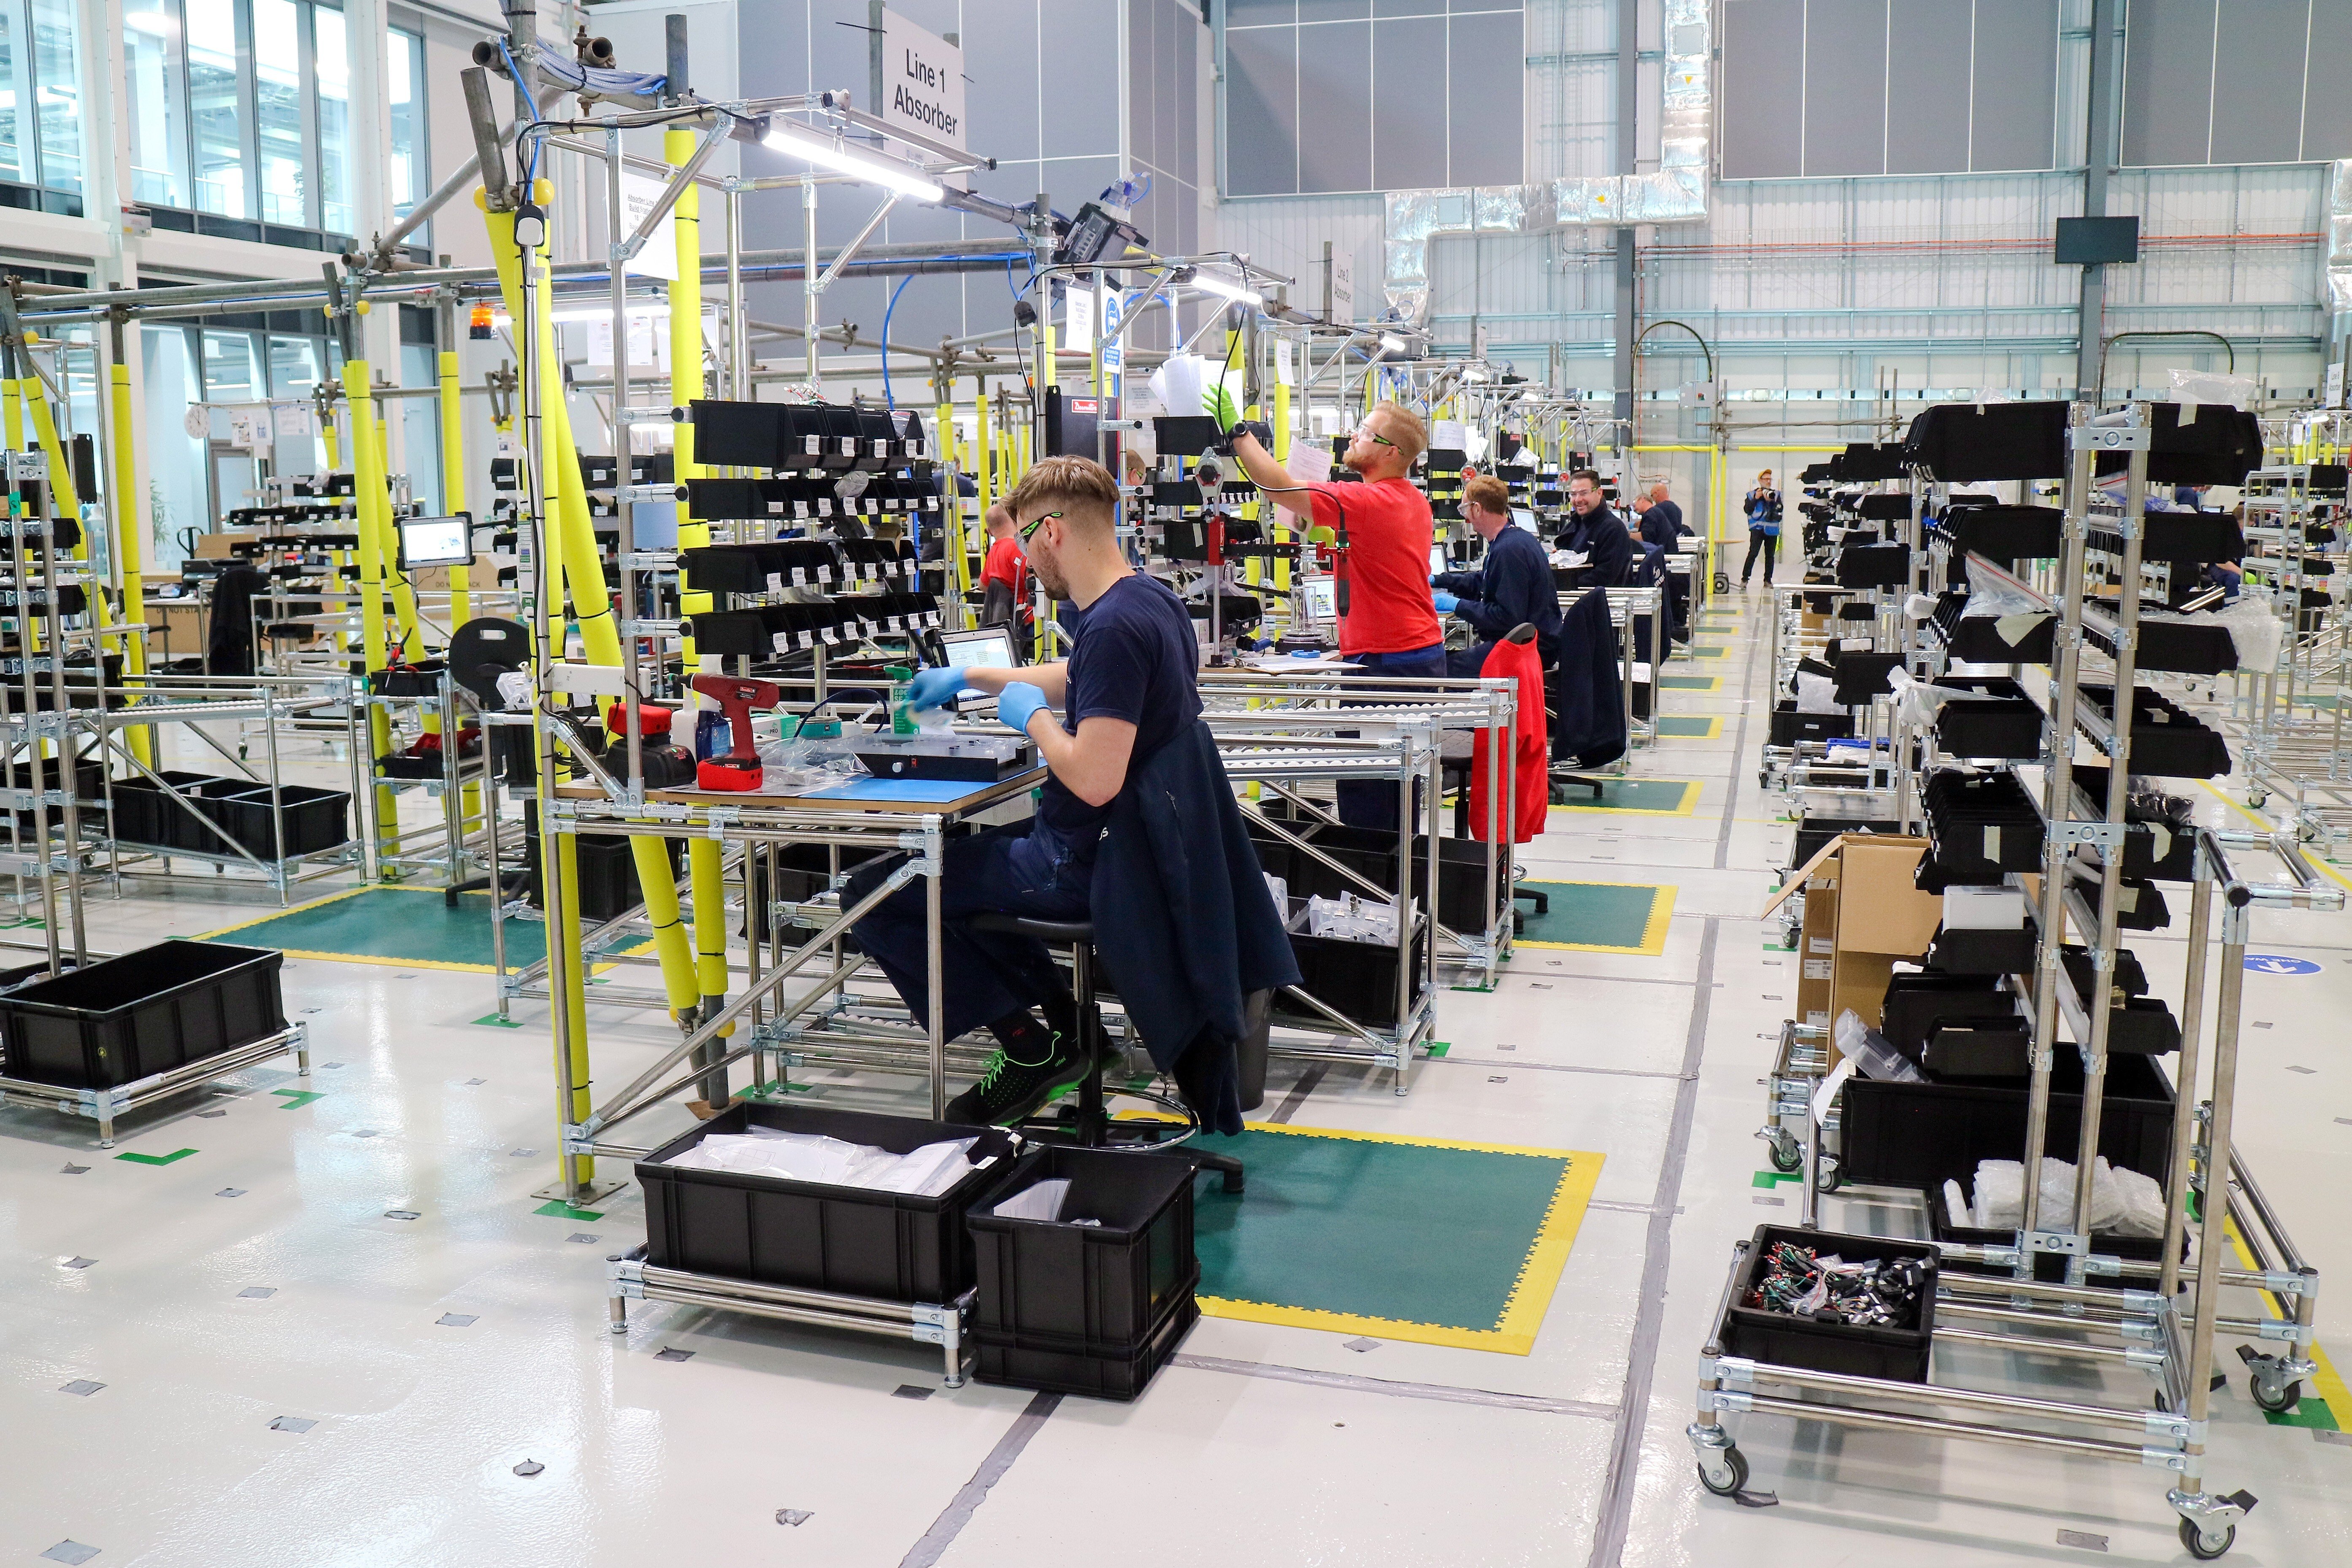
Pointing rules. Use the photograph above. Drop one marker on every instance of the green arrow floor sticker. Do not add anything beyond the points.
(1439, 1048)
(298, 1097)
(558, 1209)
(1770, 1179)
(156, 1159)
(495, 1022)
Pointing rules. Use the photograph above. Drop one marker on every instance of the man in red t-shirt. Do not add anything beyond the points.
(1389, 622)
(1005, 563)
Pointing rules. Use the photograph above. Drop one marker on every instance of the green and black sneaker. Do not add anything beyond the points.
(1010, 1091)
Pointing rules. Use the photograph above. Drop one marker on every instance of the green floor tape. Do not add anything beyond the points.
(1770, 1179)
(1654, 797)
(1598, 917)
(492, 1020)
(296, 1098)
(1400, 1239)
(405, 927)
(156, 1159)
(558, 1209)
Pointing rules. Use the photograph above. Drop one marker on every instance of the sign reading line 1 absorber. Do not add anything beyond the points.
(2275, 963)
(922, 81)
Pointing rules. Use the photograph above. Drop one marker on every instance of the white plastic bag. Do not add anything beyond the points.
(2014, 612)
(2256, 629)
(2192, 387)
(1816, 693)
(1351, 919)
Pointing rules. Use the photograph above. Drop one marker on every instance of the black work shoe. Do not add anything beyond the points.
(1010, 1091)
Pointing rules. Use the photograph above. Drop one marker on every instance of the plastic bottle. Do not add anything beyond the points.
(902, 714)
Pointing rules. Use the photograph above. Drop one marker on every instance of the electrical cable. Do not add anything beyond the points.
(888, 398)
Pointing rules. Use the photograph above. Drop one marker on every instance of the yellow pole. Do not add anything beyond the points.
(983, 452)
(570, 552)
(129, 551)
(333, 443)
(12, 414)
(1281, 454)
(369, 495)
(452, 482)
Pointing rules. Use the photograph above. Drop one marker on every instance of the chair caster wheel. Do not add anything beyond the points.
(1731, 1479)
(1234, 1181)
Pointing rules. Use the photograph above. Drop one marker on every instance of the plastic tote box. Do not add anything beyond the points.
(1086, 1309)
(144, 1012)
(1782, 1339)
(316, 819)
(852, 1241)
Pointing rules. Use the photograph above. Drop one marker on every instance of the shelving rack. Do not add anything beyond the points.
(2164, 1331)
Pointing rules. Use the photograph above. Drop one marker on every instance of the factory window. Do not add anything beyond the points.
(405, 180)
(40, 106)
(239, 117)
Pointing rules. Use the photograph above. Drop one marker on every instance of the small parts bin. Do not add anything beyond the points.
(1781, 1339)
(144, 1012)
(851, 1241)
(1086, 1309)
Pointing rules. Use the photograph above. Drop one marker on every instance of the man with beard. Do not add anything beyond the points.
(1128, 686)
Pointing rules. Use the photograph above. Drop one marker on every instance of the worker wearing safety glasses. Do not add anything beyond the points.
(1388, 621)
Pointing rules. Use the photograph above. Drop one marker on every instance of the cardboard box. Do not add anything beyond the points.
(1879, 909)
(181, 631)
(216, 546)
(435, 579)
(1862, 914)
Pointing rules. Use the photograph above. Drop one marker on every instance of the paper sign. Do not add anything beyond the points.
(648, 341)
(1114, 353)
(922, 81)
(1282, 363)
(292, 421)
(1078, 321)
(658, 258)
(249, 430)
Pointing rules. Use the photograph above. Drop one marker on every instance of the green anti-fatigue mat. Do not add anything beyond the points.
(1709, 650)
(1403, 1238)
(412, 928)
(1598, 917)
(1651, 798)
(1689, 727)
(1691, 682)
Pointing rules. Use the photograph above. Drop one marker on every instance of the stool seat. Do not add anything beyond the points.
(1066, 932)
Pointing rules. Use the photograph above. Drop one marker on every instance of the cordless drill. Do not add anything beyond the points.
(739, 770)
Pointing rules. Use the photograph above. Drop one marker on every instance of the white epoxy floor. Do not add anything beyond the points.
(1264, 1444)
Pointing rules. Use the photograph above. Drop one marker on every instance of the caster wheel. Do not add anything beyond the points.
(2194, 1540)
(1234, 1181)
(2280, 1402)
(1829, 1178)
(2257, 799)
(1735, 1464)
(1785, 1159)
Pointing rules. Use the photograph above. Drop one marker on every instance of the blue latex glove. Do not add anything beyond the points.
(1444, 601)
(934, 688)
(1019, 703)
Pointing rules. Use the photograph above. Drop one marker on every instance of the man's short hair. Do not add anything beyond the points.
(1590, 476)
(1078, 485)
(1487, 493)
(1406, 429)
(998, 513)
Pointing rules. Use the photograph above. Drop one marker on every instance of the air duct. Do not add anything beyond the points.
(1675, 192)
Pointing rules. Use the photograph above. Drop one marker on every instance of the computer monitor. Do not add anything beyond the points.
(437, 541)
(990, 647)
(1319, 598)
(1437, 562)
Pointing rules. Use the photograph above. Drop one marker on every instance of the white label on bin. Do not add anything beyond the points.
(775, 582)
(1992, 844)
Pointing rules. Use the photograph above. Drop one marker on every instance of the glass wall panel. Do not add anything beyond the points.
(278, 110)
(420, 427)
(215, 103)
(332, 51)
(177, 497)
(155, 103)
(16, 100)
(403, 69)
(230, 373)
(56, 66)
(294, 373)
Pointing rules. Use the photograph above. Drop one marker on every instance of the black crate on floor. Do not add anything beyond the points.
(316, 819)
(144, 1012)
(851, 1241)
(1091, 1309)
(608, 872)
(1856, 1350)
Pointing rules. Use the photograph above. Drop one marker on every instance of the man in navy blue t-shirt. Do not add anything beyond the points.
(1128, 687)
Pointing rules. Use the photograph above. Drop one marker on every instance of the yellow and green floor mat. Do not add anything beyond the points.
(1598, 917)
(1418, 1239)
(1691, 682)
(408, 928)
(1689, 727)
(1641, 797)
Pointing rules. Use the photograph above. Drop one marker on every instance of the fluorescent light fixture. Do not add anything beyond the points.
(802, 142)
(1236, 292)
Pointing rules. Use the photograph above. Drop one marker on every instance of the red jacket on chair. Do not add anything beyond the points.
(1520, 662)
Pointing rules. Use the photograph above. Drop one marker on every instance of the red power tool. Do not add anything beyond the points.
(739, 770)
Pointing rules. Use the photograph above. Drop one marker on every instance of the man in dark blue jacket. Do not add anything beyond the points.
(1598, 532)
(1512, 588)
(1662, 519)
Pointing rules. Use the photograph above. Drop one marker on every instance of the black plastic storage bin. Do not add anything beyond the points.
(2166, 741)
(1997, 720)
(1080, 1309)
(316, 819)
(1895, 1134)
(142, 815)
(1789, 726)
(1781, 1339)
(144, 1012)
(88, 786)
(608, 872)
(852, 1241)
(1357, 980)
